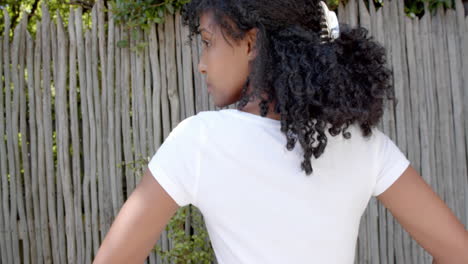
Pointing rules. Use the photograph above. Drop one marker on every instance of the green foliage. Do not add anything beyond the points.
(187, 248)
(33, 9)
(415, 8)
(142, 13)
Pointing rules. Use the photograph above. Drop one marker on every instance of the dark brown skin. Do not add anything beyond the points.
(149, 208)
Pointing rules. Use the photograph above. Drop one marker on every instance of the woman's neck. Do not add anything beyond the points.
(253, 108)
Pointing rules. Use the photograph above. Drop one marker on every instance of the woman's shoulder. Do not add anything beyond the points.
(200, 122)
(218, 117)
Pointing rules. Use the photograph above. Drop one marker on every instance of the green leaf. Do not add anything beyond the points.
(160, 12)
(158, 20)
(170, 8)
(122, 43)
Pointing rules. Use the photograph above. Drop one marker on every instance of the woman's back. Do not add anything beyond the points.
(257, 204)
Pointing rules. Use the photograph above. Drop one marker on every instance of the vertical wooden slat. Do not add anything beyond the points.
(42, 183)
(83, 83)
(3, 250)
(89, 221)
(187, 70)
(95, 125)
(172, 91)
(90, 180)
(75, 141)
(342, 14)
(12, 140)
(4, 240)
(3, 148)
(4, 243)
(139, 108)
(105, 209)
(48, 133)
(126, 130)
(59, 193)
(10, 194)
(23, 183)
(149, 105)
(364, 16)
(111, 162)
(17, 64)
(134, 109)
(118, 113)
(96, 132)
(57, 181)
(156, 93)
(134, 116)
(164, 97)
(63, 146)
(180, 73)
(351, 10)
(31, 181)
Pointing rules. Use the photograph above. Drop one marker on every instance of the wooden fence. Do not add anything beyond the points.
(79, 116)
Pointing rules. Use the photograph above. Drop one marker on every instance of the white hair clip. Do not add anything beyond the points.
(330, 24)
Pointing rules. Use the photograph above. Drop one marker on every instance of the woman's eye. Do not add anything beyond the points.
(206, 43)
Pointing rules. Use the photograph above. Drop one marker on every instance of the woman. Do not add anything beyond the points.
(286, 176)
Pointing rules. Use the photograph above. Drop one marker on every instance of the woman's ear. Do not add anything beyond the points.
(251, 38)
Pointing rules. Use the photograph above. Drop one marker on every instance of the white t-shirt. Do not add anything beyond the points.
(257, 203)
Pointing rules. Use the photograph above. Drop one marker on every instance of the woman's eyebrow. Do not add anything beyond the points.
(206, 30)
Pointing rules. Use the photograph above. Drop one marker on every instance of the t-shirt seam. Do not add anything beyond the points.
(391, 176)
(168, 185)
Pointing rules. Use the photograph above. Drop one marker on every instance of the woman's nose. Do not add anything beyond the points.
(202, 67)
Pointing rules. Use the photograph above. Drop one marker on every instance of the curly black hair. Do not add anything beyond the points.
(314, 84)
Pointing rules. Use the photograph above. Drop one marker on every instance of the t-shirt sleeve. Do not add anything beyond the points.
(391, 163)
(176, 164)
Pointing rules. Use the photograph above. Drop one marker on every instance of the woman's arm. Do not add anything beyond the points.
(138, 225)
(426, 218)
